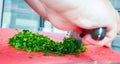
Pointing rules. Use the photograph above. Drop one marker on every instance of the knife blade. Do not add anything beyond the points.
(77, 37)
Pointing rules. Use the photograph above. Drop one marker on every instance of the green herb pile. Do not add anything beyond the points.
(29, 41)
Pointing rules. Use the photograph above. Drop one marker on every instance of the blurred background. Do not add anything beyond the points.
(17, 14)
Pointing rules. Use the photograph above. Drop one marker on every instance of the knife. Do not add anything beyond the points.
(97, 34)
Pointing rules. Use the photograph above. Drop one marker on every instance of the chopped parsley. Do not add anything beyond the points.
(29, 41)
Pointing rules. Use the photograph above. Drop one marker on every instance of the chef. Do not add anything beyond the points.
(79, 15)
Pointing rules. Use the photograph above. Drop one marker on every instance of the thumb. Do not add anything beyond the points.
(86, 23)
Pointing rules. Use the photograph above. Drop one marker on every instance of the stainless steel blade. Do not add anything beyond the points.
(77, 37)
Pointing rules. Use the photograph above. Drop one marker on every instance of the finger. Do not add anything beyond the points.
(87, 39)
(61, 6)
(58, 21)
(110, 36)
(87, 24)
(38, 6)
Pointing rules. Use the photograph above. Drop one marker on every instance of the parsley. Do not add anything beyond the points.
(28, 41)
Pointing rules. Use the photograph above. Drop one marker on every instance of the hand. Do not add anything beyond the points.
(80, 14)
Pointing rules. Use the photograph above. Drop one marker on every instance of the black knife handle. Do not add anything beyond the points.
(99, 33)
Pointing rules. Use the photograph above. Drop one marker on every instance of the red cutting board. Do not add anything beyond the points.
(8, 55)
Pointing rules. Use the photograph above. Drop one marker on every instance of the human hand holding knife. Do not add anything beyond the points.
(68, 15)
(97, 34)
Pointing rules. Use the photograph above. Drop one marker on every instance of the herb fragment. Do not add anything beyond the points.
(28, 41)
(31, 56)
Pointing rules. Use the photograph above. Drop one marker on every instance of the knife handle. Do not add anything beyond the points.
(99, 33)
